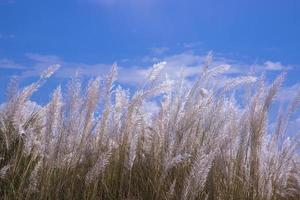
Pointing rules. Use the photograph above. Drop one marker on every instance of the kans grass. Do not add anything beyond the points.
(99, 142)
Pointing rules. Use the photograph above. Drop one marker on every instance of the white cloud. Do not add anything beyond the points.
(159, 50)
(10, 64)
(44, 58)
(275, 66)
(192, 64)
(192, 45)
(67, 70)
(189, 63)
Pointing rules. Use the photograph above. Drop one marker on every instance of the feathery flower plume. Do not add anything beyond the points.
(50, 71)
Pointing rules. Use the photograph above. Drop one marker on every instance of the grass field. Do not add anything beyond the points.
(99, 142)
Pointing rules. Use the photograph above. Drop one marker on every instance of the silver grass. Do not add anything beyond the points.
(99, 142)
(3, 171)
(50, 71)
(156, 69)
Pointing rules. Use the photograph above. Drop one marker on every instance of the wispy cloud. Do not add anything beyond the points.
(134, 74)
(188, 63)
(191, 45)
(43, 58)
(275, 66)
(159, 50)
(10, 64)
(68, 69)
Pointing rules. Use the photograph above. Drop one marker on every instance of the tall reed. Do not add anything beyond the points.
(99, 142)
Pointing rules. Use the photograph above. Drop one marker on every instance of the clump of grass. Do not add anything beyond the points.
(100, 143)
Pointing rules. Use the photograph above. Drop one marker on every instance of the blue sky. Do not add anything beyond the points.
(90, 35)
(108, 30)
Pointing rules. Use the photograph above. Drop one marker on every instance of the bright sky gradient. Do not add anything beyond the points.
(90, 35)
